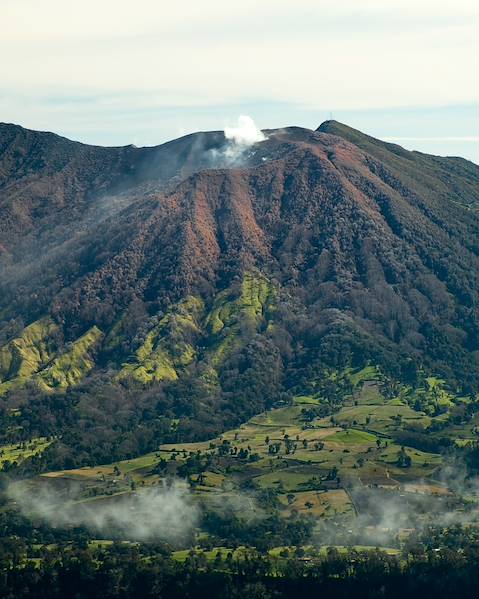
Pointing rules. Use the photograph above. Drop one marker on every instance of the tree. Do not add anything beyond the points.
(403, 459)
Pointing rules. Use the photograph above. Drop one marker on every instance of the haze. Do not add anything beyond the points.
(142, 72)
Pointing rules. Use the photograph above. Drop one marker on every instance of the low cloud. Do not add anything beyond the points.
(383, 513)
(166, 512)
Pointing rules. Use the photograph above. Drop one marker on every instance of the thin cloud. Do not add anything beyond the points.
(467, 139)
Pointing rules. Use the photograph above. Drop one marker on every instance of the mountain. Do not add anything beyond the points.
(219, 280)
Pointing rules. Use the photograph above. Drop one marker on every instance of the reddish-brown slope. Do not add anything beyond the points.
(338, 228)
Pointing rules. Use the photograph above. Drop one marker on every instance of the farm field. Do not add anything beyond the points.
(16, 453)
(305, 463)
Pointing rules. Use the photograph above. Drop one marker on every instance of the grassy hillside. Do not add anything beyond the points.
(168, 347)
(184, 334)
(34, 357)
(24, 356)
(188, 332)
(236, 313)
(72, 365)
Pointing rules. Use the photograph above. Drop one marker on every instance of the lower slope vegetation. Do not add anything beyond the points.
(167, 345)
(348, 473)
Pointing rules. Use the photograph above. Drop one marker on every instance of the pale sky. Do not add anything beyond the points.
(114, 72)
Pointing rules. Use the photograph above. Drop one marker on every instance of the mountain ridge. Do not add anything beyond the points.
(374, 253)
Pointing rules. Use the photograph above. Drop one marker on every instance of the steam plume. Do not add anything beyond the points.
(246, 133)
(240, 140)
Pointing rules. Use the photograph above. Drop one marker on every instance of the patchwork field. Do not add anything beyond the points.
(340, 469)
(308, 464)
